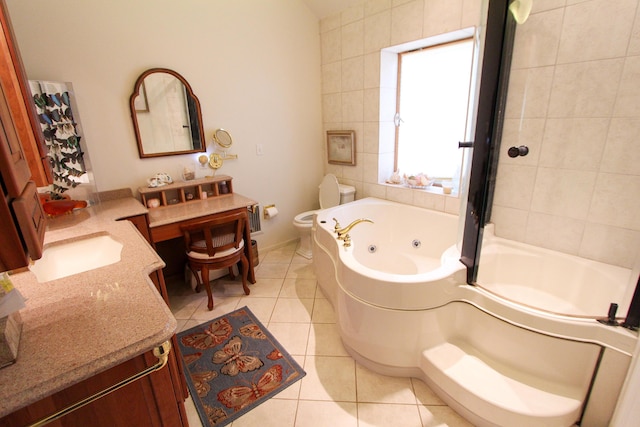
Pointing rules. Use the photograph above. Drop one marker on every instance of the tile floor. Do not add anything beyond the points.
(336, 391)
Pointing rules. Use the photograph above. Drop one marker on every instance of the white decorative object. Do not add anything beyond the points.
(159, 180)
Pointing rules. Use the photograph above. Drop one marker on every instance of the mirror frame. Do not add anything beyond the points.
(134, 119)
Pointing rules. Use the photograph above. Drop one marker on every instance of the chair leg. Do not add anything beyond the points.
(204, 271)
(231, 274)
(245, 272)
(195, 273)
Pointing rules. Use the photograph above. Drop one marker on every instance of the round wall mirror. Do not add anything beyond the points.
(222, 138)
(166, 115)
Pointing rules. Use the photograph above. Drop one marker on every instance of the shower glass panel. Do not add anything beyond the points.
(572, 101)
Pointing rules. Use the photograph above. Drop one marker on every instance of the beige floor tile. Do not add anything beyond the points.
(183, 307)
(192, 414)
(324, 340)
(272, 413)
(262, 308)
(376, 388)
(326, 414)
(292, 336)
(221, 306)
(329, 378)
(279, 256)
(298, 288)
(424, 394)
(271, 271)
(299, 259)
(265, 288)
(323, 312)
(319, 293)
(438, 416)
(293, 310)
(301, 271)
(384, 415)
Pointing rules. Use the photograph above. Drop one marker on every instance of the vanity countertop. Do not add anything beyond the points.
(78, 326)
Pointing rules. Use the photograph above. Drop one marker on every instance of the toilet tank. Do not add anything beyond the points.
(347, 193)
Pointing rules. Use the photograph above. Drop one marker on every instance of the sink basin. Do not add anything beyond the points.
(68, 258)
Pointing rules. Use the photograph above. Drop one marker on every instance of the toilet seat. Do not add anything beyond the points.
(329, 192)
(304, 218)
(329, 197)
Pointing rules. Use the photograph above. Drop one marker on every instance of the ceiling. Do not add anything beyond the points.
(324, 8)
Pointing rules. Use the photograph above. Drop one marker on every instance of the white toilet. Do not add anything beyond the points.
(331, 194)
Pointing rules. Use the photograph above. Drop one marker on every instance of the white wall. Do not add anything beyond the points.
(254, 65)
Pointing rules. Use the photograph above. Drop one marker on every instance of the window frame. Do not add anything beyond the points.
(397, 118)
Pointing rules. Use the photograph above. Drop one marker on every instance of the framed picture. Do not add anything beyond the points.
(341, 148)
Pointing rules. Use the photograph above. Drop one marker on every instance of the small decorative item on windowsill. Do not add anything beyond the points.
(419, 181)
(341, 147)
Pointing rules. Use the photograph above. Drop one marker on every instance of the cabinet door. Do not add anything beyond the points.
(19, 99)
(31, 220)
(12, 255)
(15, 169)
(148, 402)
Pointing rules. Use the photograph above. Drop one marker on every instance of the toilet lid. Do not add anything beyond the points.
(329, 192)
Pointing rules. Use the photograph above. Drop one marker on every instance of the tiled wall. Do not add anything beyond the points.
(574, 100)
(351, 44)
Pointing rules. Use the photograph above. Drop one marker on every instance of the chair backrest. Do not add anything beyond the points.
(215, 235)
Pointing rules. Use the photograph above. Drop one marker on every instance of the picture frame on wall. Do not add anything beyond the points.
(341, 148)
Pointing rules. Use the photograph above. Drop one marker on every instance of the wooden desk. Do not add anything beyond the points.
(165, 222)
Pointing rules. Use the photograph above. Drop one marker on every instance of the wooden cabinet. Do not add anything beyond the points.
(22, 220)
(157, 277)
(187, 191)
(18, 99)
(147, 402)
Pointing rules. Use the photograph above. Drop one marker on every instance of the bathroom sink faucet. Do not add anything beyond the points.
(343, 233)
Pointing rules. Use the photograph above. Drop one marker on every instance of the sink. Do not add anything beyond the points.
(76, 256)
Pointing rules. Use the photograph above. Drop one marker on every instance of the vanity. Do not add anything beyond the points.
(186, 202)
(86, 332)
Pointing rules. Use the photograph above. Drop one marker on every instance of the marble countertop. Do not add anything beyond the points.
(78, 326)
(197, 208)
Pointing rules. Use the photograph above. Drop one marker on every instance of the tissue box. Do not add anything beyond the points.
(10, 329)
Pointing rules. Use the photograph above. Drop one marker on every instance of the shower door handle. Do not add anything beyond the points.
(522, 150)
(465, 144)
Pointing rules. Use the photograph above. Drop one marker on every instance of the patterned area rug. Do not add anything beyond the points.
(233, 364)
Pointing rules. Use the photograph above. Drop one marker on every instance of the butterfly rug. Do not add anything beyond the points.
(233, 364)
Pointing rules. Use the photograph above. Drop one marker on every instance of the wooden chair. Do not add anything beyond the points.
(214, 244)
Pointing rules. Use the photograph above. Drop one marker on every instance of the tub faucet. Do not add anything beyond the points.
(343, 233)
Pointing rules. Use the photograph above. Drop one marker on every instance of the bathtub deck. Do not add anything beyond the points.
(478, 386)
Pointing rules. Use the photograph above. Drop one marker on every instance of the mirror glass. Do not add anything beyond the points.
(223, 138)
(166, 115)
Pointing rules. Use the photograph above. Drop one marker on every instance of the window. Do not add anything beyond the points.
(432, 104)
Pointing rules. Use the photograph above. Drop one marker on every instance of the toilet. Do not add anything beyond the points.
(331, 194)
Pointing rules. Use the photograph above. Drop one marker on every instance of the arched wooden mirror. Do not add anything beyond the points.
(166, 115)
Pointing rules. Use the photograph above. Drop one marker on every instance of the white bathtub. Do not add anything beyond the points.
(403, 308)
(550, 280)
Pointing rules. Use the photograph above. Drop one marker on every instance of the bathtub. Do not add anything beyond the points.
(493, 353)
(550, 280)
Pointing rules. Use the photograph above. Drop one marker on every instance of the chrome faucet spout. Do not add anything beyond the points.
(342, 232)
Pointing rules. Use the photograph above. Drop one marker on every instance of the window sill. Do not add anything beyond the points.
(433, 189)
